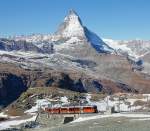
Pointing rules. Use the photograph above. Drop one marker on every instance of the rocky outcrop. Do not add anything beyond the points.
(11, 86)
(12, 45)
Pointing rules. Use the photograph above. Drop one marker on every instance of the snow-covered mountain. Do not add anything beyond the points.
(69, 33)
(134, 48)
(73, 39)
(72, 34)
(74, 58)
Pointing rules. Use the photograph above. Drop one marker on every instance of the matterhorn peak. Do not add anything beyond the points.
(73, 12)
(72, 26)
(73, 31)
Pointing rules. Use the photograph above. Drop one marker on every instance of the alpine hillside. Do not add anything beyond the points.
(73, 58)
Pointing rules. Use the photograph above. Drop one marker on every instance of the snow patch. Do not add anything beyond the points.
(11, 123)
(64, 99)
(71, 43)
(41, 103)
(125, 105)
(2, 114)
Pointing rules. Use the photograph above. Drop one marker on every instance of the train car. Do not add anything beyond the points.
(64, 110)
(56, 110)
(72, 110)
(90, 109)
(53, 110)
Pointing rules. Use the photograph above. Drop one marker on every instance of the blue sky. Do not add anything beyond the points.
(116, 19)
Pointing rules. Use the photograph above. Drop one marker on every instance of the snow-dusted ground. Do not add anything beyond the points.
(11, 123)
(2, 114)
(44, 103)
(27, 54)
(125, 105)
(101, 105)
(40, 103)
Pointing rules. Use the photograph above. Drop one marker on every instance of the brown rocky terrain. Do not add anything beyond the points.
(14, 80)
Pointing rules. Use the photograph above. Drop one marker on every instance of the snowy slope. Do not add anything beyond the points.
(116, 46)
(134, 48)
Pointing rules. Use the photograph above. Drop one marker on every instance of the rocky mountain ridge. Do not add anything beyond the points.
(73, 58)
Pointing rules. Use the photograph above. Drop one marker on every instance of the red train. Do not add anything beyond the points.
(72, 110)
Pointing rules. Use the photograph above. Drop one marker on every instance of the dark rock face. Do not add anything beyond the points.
(98, 44)
(126, 87)
(48, 48)
(64, 81)
(11, 86)
(67, 83)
